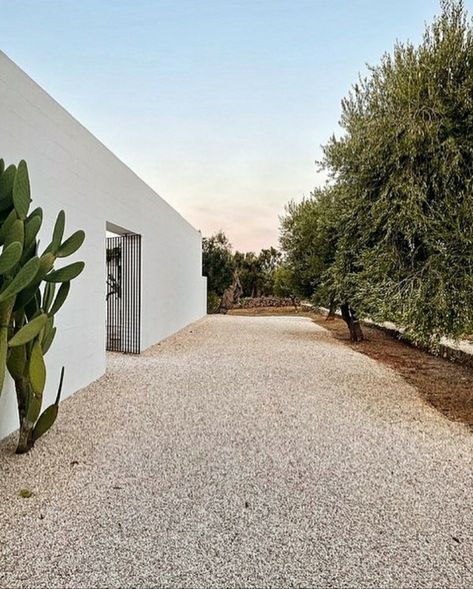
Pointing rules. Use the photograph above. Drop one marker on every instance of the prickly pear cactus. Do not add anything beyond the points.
(28, 299)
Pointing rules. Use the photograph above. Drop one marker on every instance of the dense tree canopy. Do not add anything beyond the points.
(285, 283)
(217, 265)
(392, 234)
(254, 272)
(308, 238)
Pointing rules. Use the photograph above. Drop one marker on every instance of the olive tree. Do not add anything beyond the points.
(218, 266)
(403, 170)
(313, 240)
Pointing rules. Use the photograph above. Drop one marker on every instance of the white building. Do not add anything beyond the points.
(71, 170)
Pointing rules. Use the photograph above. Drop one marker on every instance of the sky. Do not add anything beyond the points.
(221, 106)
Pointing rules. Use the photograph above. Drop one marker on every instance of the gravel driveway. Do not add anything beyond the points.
(243, 452)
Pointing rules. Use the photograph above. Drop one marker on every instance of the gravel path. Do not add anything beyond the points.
(243, 452)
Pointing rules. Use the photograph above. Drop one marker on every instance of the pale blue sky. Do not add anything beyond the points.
(221, 106)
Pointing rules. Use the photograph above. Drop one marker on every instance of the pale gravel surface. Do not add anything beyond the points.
(243, 452)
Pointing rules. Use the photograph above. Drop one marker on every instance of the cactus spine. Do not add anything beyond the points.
(28, 299)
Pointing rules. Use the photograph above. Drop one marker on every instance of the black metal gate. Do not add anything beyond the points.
(123, 256)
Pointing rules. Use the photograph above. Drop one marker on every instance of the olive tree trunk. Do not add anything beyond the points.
(331, 310)
(351, 319)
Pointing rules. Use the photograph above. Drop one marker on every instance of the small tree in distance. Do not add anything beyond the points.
(218, 266)
(285, 285)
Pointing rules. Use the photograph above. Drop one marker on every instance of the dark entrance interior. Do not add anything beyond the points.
(123, 258)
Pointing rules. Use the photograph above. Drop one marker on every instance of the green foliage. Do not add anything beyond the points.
(45, 421)
(58, 233)
(17, 362)
(256, 272)
(48, 339)
(285, 282)
(217, 265)
(309, 236)
(7, 223)
(65, 274)
(16, 233)
(61, 297)
(32, 227)
(398, 245)
(21, 191)
(6, 187)
(20, 280)
(37, 369)
(29, 331)
(213, 302)
(48, 295)
(27, 303)
(71, 245)
(49, 415)
(217, 262)
(10, 256)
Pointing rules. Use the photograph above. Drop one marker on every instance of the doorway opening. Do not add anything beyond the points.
(123, 292)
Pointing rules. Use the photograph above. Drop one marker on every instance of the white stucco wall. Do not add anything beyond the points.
(71, 170)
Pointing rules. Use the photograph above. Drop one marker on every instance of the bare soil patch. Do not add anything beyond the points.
(443, 384)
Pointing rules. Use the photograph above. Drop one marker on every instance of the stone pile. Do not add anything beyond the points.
(257, 302)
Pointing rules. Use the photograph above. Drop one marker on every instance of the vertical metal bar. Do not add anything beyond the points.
(127, 300)
(113, 305)
(121, 300)
(118, 297)
(135, 326)
(114, 302)
(113, 299)
(133, 294)
(107, 298)
(130, 330)
(107, 313)
(108, 245)
(124, 297)
(138, 281)
(135, 308)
